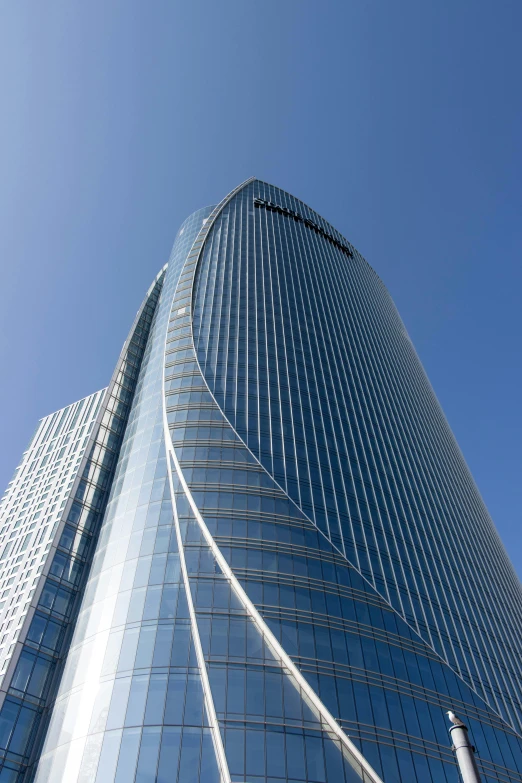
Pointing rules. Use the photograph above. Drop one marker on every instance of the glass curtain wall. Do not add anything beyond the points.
(277, 594)
(130, 699)
(300, 346)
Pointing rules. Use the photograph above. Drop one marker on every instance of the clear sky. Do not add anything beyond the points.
(399, 122)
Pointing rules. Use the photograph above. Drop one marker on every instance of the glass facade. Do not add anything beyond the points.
(35, 662)
(276, 565)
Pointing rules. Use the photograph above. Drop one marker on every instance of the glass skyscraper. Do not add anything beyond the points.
(258, 556)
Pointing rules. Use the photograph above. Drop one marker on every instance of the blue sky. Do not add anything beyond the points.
(401, 123)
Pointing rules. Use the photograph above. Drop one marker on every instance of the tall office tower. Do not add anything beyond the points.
(273, 564)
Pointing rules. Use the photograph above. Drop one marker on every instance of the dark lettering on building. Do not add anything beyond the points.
(260, 202)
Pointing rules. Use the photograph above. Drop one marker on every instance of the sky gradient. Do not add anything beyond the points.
(400, 123)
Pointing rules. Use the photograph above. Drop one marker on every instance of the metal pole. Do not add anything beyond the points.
(464, 751)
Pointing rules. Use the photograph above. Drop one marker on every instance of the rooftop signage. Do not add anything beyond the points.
(262, 203)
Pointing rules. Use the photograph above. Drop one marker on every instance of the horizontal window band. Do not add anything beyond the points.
(439, 700)
(238, 489)
(218, 463)
(259, 516)
(346, 626)
(193, 406)
(282, 548)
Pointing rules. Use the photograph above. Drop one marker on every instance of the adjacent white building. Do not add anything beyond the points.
(32, 506)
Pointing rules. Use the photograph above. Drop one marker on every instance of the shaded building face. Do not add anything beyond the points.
(295, 576)
(305, 353)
